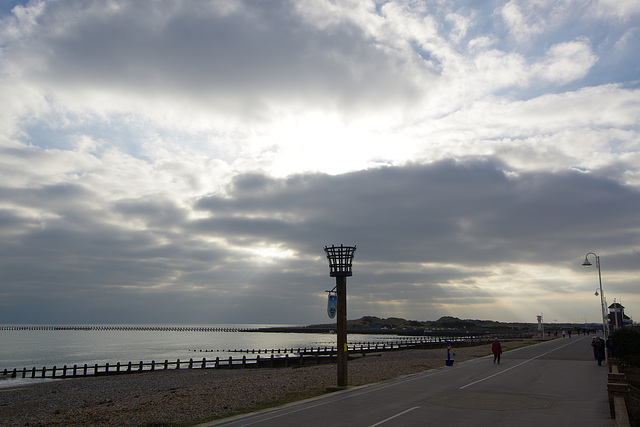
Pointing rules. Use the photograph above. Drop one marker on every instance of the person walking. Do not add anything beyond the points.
(496, 348)
(611, 347)
(598, 349)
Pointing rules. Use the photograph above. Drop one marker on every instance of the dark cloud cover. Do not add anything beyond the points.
(421, 232)
(183, 161)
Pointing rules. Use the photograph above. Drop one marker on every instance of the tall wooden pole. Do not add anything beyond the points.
(341, 290)
(340, 259)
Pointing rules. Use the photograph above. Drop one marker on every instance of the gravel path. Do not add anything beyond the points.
(192, 396)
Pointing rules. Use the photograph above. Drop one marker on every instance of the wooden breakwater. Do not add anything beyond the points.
(85, 370)
(402, 343)
(279, 358)
(125, 328)
(409, 334)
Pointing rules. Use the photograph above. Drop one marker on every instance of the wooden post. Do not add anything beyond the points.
(341, 290)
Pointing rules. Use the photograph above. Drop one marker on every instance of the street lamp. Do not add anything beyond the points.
(340, 261)
(586, 263)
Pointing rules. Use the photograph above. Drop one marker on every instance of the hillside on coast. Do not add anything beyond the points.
(444, 323)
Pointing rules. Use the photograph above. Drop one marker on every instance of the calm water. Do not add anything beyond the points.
(27, 349)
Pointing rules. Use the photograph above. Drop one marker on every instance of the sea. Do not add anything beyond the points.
(47, 348)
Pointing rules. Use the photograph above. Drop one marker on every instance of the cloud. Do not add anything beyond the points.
(568, 61)
(430, 233)
(188, 161)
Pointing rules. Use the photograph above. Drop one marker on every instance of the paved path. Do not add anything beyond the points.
(555, 383)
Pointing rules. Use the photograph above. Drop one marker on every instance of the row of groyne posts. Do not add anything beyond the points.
(273, 358)
(127, 328)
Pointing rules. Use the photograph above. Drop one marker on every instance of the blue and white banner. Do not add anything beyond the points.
(332, 305)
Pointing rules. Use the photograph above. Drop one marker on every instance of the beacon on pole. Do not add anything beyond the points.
(340, 262)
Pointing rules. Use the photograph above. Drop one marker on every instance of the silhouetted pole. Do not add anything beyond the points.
(340, 261)
(605, 326)
(341, 291)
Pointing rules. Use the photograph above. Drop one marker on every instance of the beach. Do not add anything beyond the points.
(192, 396)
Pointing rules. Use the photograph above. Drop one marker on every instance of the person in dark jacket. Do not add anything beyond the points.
(496, 348)
(611, 346)
(598, 350)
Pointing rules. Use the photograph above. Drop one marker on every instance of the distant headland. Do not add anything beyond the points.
(446, 325)
(394, 325)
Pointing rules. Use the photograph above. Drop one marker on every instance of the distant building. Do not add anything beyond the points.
(617, 318)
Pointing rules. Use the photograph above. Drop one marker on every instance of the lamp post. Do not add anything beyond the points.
(340, 261)
(586, 263)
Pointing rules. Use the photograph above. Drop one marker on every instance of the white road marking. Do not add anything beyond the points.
(395, 416)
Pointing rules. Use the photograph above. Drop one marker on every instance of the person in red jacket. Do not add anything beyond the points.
(496, 348)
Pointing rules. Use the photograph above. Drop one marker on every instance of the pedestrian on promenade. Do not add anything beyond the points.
(598, 350)
(611, 346)
(564, 333)
(496, 348)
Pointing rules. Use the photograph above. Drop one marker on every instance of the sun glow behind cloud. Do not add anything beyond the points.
(473, 152)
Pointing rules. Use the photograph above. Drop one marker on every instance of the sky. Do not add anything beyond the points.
(188, 161)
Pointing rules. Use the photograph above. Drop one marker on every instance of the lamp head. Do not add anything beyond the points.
(586, 262)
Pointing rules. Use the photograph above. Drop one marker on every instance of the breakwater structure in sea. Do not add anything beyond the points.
(126, 328)
(279, 329)
(278, 358)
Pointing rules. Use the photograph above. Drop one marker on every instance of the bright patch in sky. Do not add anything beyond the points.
(204, 153)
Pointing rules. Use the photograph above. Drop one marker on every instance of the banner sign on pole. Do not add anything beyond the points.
(332, 305)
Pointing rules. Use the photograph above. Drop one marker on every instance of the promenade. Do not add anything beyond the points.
(554, 383)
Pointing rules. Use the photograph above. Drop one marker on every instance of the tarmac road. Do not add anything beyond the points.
(555, 383)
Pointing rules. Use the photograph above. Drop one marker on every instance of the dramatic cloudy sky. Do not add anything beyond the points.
(187, 161)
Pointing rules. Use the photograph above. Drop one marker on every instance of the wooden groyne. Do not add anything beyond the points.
(85, 370)
(280, 358)
(277, 358)
(369, 347)
(126, 328)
